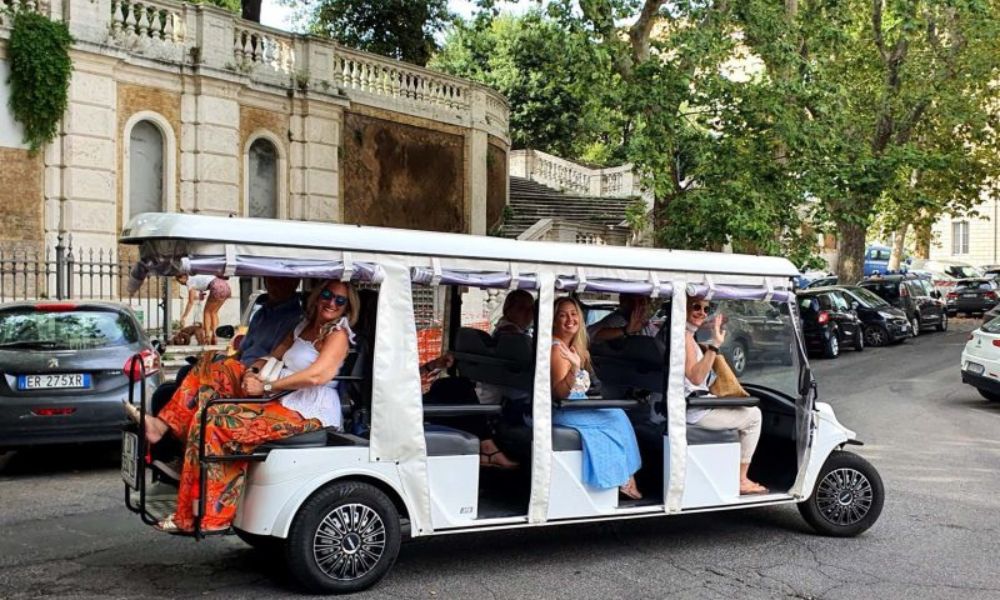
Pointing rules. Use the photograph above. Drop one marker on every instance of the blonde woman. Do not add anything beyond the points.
(610, 451)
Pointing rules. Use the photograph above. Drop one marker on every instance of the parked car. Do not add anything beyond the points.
(991, 314)
(882, 322)
(981, 360)
(876, 259)
(914, 296)
(829, 323)
(822, 282)
(65, 368)
(973, 296)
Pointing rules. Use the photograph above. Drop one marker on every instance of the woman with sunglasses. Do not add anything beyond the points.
(313, 354)
(698, 375)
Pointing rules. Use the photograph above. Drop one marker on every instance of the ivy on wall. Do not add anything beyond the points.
(40, 66)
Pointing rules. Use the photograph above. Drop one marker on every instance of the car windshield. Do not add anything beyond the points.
(992, 326)
(868, 299)
(888, 290)
(73, 330)
(963, 271)
(971, 286)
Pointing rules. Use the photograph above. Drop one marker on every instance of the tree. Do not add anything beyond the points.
(399, 29)
(555, 80)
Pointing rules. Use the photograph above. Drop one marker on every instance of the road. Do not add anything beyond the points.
(66, 533)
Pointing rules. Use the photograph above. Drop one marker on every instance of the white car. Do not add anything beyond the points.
(981, 360)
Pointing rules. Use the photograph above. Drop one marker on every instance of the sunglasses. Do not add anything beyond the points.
(326, 296)
(702, 308)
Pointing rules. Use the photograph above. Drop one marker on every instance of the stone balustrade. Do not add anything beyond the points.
(565, 175)
(209, 38)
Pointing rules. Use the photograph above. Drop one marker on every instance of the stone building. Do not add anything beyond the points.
(184, 107)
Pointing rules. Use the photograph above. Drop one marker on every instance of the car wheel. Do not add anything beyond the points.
(847, 498)
(738, 358)
(915, 325)
(943, 323)
(832, 349)
(876, 335)
(859, 340)
(991, 396)
(344, 539)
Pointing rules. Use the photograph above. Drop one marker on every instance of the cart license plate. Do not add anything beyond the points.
(55, 381)
(974, 368)
(130, 459)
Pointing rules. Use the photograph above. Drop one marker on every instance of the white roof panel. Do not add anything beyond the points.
(287, 236)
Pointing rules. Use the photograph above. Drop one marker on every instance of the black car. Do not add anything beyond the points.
(822, 282)
(973, 296)
(881, 322)
(828, 322)
(914, 296)
(65, 368)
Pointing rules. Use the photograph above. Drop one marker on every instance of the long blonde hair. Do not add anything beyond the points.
(580, 343)
(353, 306)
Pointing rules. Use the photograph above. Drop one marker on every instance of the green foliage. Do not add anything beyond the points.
(399, 29)
(556, 80)
(233, 6)
(40, 67)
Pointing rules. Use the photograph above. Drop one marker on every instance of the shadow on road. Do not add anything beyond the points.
(52, 460)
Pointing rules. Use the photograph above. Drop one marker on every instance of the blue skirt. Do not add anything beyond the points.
(610, 450)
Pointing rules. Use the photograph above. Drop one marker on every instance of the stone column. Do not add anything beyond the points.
(314, 161)
(80, 165)
(88, 20)
(210, 149)
(476, 174)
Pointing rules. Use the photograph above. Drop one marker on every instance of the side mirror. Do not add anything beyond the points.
(157, 346)
(935, 294)
(225, 331)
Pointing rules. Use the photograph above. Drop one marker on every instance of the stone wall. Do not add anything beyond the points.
(20, 192)
(496, 184)
(400, 175)
(256, 122)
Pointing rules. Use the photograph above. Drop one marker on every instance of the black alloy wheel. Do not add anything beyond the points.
(344, 539)
(876, 335)
(848, 496)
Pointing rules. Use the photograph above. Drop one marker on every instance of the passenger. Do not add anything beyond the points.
(313, 355)
(218, 291)
(631, 318)
(610, 451)
(698, 375)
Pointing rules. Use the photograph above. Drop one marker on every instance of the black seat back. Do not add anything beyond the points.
(507, 360)
(633, 362)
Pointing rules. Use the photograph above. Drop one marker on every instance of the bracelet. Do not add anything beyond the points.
(712, 347)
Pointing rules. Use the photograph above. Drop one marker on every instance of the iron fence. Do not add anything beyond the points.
(65, 273)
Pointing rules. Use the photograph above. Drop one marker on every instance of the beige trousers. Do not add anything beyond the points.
(745, 419)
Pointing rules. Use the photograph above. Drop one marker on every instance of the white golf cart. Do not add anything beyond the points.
(339, 503)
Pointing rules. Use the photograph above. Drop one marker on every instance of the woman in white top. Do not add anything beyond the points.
(698, 376)
(217, 291)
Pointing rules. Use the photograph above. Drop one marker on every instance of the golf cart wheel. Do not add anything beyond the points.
(876, 336)
(738, 358)
(344, 539)
(943, 323)
(847, 498)
(915, 325)
(832, 347)
(991, 396)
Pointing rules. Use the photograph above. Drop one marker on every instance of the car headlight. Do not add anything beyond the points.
(887, 316)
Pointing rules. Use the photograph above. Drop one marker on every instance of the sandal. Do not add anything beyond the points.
(497, 460)
(167, 525)
(629, 490)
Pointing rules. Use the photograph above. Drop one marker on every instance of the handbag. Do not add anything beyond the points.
(271, 369)
(726, 385)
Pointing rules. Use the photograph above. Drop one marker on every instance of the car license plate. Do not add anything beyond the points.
(974, 368)
(130, 459)
(55, 381)
(968, 295)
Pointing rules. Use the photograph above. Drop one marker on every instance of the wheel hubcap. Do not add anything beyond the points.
(739, 359)
(844, 496)
(834, 344)
(874, 337)
(349, 542)
(916, 326)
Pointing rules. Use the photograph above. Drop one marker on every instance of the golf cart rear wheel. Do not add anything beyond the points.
(344, 539)
(847, 498)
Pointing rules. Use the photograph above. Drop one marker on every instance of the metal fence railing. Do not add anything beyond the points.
(65, 273)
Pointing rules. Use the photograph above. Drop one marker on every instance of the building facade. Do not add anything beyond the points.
(183, 107)
(969, 239)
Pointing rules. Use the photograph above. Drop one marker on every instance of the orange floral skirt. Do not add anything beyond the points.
(229, 429)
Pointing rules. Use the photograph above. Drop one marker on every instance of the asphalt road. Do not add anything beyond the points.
(66, 534)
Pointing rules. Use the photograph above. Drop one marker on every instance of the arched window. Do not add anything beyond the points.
(262, 179)
(145, 169)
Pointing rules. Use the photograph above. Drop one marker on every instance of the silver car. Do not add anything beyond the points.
(65, 369)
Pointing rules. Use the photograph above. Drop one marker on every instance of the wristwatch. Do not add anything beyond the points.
(712, 347)
(268, 387)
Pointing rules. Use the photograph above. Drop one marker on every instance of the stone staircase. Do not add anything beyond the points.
(531, 201)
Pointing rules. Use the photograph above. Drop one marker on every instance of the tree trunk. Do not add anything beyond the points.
(923, 234)
(851, 261)
(897, 248)
(251, 10)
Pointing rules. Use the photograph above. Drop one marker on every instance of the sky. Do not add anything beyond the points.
(273, 14)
